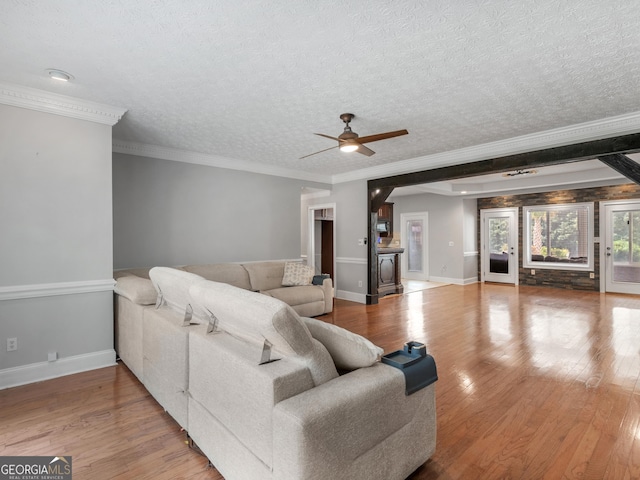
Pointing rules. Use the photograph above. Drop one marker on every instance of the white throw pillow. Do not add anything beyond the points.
(348, 350)
(297, 274)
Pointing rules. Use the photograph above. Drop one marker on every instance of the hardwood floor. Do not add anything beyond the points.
(533, 383)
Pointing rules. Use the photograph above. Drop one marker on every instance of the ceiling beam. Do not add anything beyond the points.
(540, 158)
(378, 197)
(623, 165)
(610, 151)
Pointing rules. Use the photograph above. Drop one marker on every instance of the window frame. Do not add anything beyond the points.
(526, 237)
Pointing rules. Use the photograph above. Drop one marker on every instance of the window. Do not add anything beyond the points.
(558, 236)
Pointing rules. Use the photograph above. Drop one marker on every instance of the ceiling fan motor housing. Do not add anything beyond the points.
(347, 117)
(347, 134)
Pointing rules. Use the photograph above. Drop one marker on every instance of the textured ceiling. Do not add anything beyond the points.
(252, 81)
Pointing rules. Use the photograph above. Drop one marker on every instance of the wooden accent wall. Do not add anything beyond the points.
(567, 279)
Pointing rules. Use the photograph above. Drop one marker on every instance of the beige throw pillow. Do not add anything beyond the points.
(297, 274)
(348, 350)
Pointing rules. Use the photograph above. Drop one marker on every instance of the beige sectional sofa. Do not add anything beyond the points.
(135, 293)
(292, 416)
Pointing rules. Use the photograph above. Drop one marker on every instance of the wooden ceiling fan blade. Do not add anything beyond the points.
(365, 150)
(382, 136)
(330, 148)
(328, 136)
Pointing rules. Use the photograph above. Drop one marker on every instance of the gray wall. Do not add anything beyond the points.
(56, 242)
(172, 213)
(169, 213)
(448, 222)
(350, 224)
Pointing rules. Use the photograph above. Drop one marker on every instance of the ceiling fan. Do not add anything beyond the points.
(349, 141)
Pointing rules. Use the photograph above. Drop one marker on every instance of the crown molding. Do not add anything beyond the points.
(186, 156)
(42, 101)
(582, 132)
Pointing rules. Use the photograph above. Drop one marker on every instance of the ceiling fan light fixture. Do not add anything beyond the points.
(350, 141)
(59, 75)
(349, 147)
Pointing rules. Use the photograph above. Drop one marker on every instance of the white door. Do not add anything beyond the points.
(621, 247)
(413, 238)
(499, 243)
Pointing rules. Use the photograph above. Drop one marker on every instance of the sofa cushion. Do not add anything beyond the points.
(296, 273)
(256, 318)
(297, 295)
(231, 273)
(312, 309)
(137, 272)
(348, 350)
(137, 289)
(265, 275)
(173, 286)
(165, 344)
(225, 379)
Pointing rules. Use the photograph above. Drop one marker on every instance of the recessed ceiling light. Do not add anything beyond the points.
(59, 75)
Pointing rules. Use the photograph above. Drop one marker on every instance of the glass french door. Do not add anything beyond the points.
(622, 247)
(499, 241)
(414, 241)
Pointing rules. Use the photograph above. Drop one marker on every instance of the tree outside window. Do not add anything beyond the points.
(626, 237)
(559, 236)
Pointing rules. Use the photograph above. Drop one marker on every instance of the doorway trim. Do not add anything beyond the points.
(311, 231)
(603, 239)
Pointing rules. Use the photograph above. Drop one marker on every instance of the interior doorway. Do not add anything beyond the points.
(499, 245)
(620, 251)
(414, 239)
(322, 239)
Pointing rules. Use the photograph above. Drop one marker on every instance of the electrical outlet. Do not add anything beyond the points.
(592, 275)
(12, 344)
(533, 272)
(360, 283)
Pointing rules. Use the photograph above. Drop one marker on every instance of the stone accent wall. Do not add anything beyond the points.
(567, 279)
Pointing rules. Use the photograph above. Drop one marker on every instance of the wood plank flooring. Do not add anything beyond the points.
(534, 383)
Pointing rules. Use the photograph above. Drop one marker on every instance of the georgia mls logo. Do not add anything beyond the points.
(35, 468)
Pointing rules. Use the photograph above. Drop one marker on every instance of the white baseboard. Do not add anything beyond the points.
(37, 372)
(470, 280)
(351, 296)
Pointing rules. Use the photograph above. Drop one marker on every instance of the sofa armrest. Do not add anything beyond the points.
(137, 289)
(361, 417)
(327, 287)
